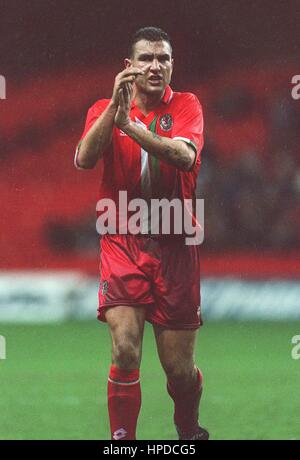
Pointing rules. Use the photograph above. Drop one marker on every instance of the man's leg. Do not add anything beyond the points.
(184, 379)
(126, 326)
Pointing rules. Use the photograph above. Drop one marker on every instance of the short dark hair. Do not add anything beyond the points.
(152, 34)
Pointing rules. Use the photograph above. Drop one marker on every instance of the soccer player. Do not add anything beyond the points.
(147, 140)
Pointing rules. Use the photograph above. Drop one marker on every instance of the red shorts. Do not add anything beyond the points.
(162, 274)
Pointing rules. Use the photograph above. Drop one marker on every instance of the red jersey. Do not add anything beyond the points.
(126, 166)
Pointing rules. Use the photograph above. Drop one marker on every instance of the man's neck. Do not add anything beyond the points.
(147, 103)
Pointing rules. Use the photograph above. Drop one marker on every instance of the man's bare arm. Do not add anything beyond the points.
(94, 144)
(176, 152)
(92, 147)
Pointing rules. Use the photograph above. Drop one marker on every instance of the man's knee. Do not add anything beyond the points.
(126, 355)
(181, 373)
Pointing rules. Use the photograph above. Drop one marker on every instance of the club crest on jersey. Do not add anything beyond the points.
(104, 287)
(166, 122)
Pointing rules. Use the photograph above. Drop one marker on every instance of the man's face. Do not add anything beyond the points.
(155, 58)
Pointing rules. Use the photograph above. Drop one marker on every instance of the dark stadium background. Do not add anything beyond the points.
(239, 57)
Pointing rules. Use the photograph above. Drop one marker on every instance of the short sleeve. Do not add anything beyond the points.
(93, 114)
(188, 123)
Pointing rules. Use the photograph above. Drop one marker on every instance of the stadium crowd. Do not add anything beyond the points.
(250, 177)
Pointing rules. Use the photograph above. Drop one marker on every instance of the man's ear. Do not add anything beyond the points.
(127, 63)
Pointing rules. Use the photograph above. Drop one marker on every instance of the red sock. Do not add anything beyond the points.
(186, 404)
(124, 402)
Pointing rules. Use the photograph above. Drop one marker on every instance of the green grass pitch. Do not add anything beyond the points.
(53, 382)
